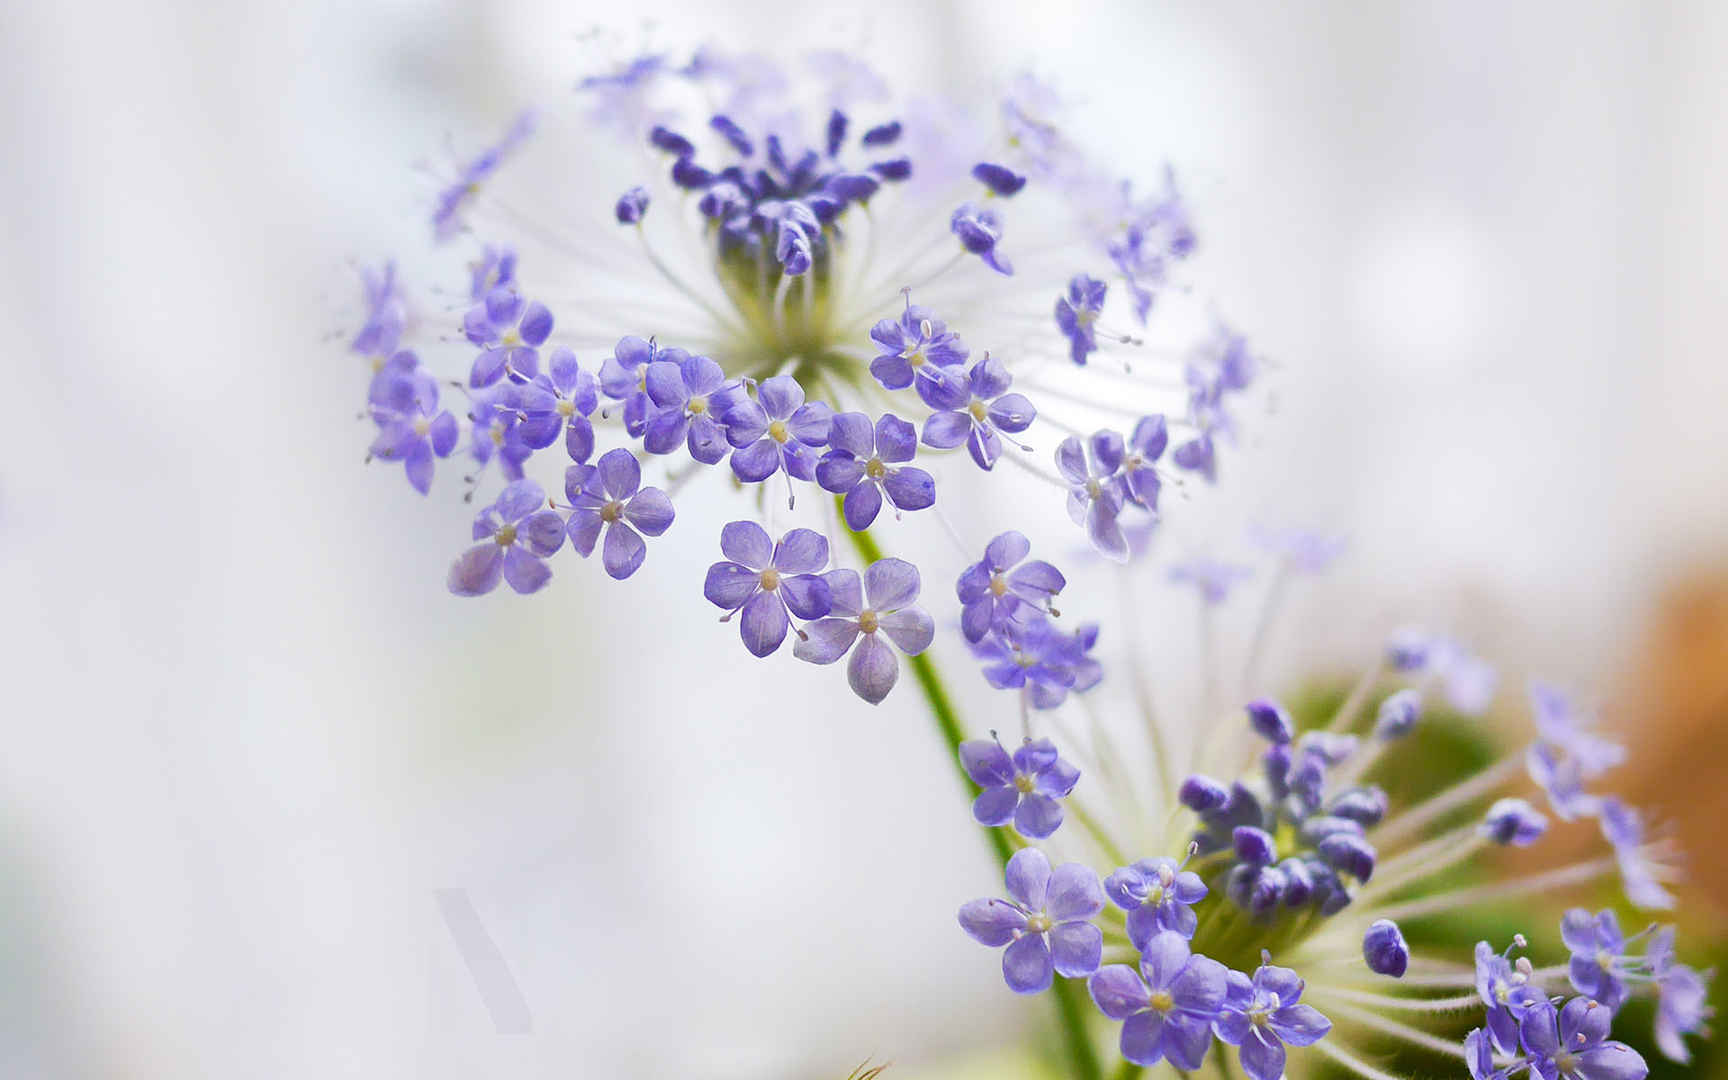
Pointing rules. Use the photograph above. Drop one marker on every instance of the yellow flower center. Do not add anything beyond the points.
(697, 405)
(612, 511)
(868, 621)
(778, 432)
(770, 579)
(1162, 1001)
(566, 408)
(422, 426)
(998, 584)
(505, 536)
(874, 469)
(1038, 924)
(510, 339)
(1024, 784)
(977, 409)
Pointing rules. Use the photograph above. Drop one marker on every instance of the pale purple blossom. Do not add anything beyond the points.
(516, 533)
(765, 583)
(609, 495)
(879, 609)
(1045, 922)
(1022, 788)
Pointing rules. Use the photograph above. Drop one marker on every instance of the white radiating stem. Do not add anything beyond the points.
(1331, 1049)
(1483, 783)
(1575, 874)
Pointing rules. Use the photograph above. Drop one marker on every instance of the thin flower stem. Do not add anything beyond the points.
(1389, 1001)
(1069, 995)
(1269, 609)
(1099, 836)
(1346, 714)
(1414, 1036)
(1418, 816)
(1424, 860)
(1575, 874)
(1129, 1071)
(1350, 1061)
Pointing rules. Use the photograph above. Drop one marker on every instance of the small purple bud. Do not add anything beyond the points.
(687, 174)
(1298, 882)
(1348, 855)
(1276, 762)
(1202, 794)
(1270, 721)
(998, 178)
(1384, 949)
(664, 138)
(895, 169)
(1365, 806)
(1254, 846)
(1408, 650)
(1267, 890)
(1320, 826)
(632, 205)
(882, 134)
(1330, 747)
(1398, 714)
(1514, 823)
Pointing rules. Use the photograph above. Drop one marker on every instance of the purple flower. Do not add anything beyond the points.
(777, 431)
(1045, 922)
(979, 230)
(411, 427)
(1513, 823)
(1140, 481)
(994, 590)
(447, 215)
(632, 206)
(1565, 726)
(1302, 550)
(1598, 955)
(517, 533)
(693, 395)
(560, 400)
(1168, 1006)
(1479, 1057)
(1263, 1015)
(918, 350)
(766, 580)
(611, 494)
(862, 463)
(1022, 788)
(1041, 661)
(1505, 989)
(509, 332)
(1077, 312)
(1639, 873)
(386, 312)
(1572, 1042)
(1214, 579)
(891, 586)
(1096, 493)
(624, 377)
(1682, 996)
(974, 409)
(1398, 714)
(496, 266)
(1562, 781)
(1158, 896)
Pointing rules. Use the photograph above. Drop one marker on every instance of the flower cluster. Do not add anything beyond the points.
(755, 317)
(1307, 858)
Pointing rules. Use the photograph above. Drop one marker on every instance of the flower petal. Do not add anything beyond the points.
(747, 544)
(623, 550)
(801, 551)
(891, 584)
(650, 510)
(620, 473)
(991, 922)
(1117, 991)
(524, 572)
(1028, 878)
(1075, 893)
(806, 595)
(477, 570)
(873, 669)
(1076, 947)
(826, 640)
(728, 585)
(1026, 965)
(995, 806)
(763, 624)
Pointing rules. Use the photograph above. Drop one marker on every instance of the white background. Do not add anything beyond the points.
(248, 734)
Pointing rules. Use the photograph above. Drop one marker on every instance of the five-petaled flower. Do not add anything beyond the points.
(611, 494)
(865, 463)
(1021, 788)
(693, 398)
(881, 606)
(762, 582)
(974, 409)
(1045, 922)
(1095, 490)
(1262, 1015)
(1158, 896)
(1076, 314)
(517, 532)
(1168, 1006)
(562, 399)
(411, 427)
(509, 331)
(918, 350)
(1001, 587)
(777, 431)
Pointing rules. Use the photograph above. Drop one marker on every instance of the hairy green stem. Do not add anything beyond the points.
(1069, 995)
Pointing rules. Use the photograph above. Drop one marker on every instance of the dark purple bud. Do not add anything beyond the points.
(733, 134)
(631, 206)
(1253, 846)
(852, 187)
(1348, 854)
(998, 178)
(1270, 721)
(1365, 806)
(836, 131)
(1308, 777)
(1267, 890)
(893, 169)
(1384, 949)
(666, 139)
(1398, 714)
(1320, 826)
(1514, 823)
(793, 249)
(1276, 762)
(1202, 794)
(882, 134)
(1298, 882)
(721, 200)
(687, 174)
(1239, 884)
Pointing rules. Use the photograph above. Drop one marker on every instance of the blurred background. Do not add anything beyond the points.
(260, 767)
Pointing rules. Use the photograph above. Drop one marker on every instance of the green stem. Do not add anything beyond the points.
(1069, 994)
(1129, 1071)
